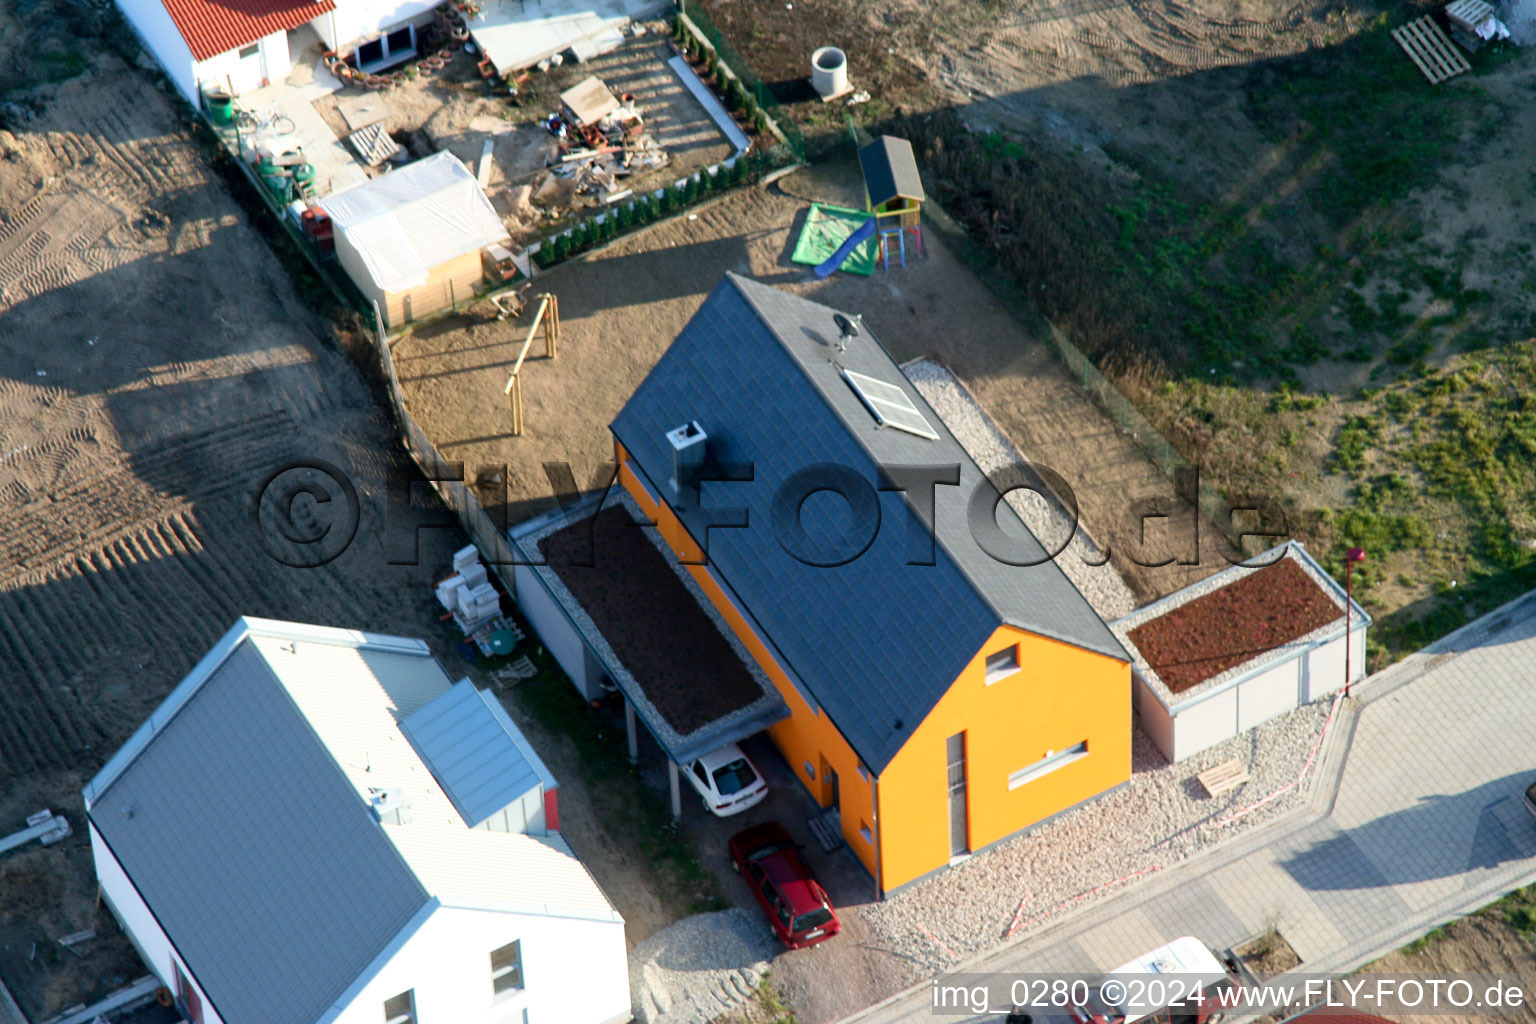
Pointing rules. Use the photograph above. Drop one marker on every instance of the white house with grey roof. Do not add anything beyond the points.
(318, 827)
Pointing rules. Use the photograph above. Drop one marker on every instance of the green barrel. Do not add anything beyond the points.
(277, 180)
(221, 108)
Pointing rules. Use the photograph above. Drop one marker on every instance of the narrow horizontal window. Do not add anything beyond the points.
(1002, 664)
(1052, 760)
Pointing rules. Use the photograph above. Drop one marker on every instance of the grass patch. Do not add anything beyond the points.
(1444, 471)
(1426, 940)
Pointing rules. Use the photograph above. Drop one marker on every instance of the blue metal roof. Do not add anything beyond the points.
(877, 641)
(475, 751)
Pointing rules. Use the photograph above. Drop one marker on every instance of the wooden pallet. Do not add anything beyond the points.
(1224, 777)
(1429, 47)
(518, 671)
(373, 144)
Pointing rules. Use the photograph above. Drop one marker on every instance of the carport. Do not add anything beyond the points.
(617, 611)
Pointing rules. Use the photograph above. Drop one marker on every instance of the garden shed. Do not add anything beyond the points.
(1248, 644)
(411, 240)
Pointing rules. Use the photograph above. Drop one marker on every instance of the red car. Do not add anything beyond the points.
(797, 907)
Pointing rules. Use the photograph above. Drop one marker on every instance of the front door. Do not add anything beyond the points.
(959, 820)
(831, 797)
(249, 72)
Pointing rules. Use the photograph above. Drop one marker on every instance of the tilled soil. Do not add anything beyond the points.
(155, 367)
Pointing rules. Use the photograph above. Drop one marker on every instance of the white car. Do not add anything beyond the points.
(728, 782)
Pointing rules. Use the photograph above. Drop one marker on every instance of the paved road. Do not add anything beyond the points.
(1416, 818)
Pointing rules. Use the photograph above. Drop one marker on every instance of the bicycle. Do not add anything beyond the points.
(272, 120)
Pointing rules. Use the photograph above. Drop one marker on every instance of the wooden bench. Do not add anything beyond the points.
(1224, 777)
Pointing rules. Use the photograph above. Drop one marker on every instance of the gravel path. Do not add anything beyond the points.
(1162, 816)
(1083, 560)
(699, 968)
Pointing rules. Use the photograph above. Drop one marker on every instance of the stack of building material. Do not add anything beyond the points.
(478, 603)
(468, 575)
(465, 557)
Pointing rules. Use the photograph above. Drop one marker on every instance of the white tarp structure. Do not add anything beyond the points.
(413, 220)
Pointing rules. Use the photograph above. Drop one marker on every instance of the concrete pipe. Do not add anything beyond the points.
(829, 71)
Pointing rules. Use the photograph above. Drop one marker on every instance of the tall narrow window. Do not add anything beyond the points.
(401, 1009)
(959, 816)
(507, 968)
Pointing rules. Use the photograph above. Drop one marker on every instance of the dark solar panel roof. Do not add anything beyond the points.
(876, 641)
(890, 170)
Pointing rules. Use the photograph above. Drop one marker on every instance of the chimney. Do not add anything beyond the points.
(687, 443)
(389, 806)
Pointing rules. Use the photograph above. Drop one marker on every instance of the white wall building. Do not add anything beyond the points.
(1274, 680)
(243, 45)
(315, 826)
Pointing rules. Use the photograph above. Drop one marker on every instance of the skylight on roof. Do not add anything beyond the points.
(889, 405)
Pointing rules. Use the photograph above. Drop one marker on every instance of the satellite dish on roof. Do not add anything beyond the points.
(848, 329)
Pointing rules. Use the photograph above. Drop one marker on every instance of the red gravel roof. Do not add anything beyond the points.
(1236, 623)
(212, 27)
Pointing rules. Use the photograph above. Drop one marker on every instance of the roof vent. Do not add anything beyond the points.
(389, 805)
(687, 444)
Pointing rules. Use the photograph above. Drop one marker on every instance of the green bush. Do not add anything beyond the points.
(735, 95)
(559, 248)
(688, 191)
(645, 210)
(609, 227)
(668, 202)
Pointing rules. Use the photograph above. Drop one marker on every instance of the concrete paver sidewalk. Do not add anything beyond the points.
(1417, 818)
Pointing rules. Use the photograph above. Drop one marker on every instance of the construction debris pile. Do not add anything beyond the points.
(602, 141)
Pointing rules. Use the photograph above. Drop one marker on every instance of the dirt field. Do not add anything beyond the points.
(155, 367)
(1495, 940)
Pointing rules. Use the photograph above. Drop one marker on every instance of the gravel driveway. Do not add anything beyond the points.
(699, 968)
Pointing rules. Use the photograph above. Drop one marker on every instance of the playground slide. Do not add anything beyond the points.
(824, 270)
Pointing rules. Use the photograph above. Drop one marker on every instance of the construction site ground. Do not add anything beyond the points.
(622, 307)
(454, 110)
(1280, 240)
(156, 365)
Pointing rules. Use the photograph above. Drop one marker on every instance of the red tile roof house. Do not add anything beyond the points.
(243, 45)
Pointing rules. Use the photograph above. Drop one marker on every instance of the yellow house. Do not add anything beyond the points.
(948, 686)
(411, 240)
